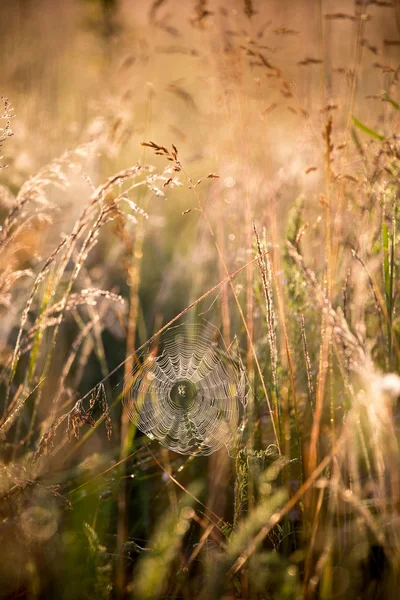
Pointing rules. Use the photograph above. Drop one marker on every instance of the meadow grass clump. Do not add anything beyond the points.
(219, 167)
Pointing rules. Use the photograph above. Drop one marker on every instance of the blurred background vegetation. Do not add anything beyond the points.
(292, 108)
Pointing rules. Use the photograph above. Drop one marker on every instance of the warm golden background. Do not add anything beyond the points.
(293, 108)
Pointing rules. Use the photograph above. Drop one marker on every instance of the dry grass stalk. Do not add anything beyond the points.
(6, 132)
(266, 276)
(335, 319)
(86, 222)
(307, 362)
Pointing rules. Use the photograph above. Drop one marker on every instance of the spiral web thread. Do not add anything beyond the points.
(191, 397)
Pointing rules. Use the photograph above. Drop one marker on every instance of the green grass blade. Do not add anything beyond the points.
(388, 271)
(371, 132)
(387, 98)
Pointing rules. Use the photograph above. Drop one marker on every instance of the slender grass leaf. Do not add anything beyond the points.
(357, 142)
(387, 98)
(368, 130)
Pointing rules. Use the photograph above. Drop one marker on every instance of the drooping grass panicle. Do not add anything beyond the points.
(75, 418)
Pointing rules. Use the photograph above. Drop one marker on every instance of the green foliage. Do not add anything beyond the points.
(239, 542)
(150, 580)
(371, 132)
(99, 564)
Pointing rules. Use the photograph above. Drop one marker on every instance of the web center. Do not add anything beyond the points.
(182, 394)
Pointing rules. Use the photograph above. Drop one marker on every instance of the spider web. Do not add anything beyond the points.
(191, 394)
